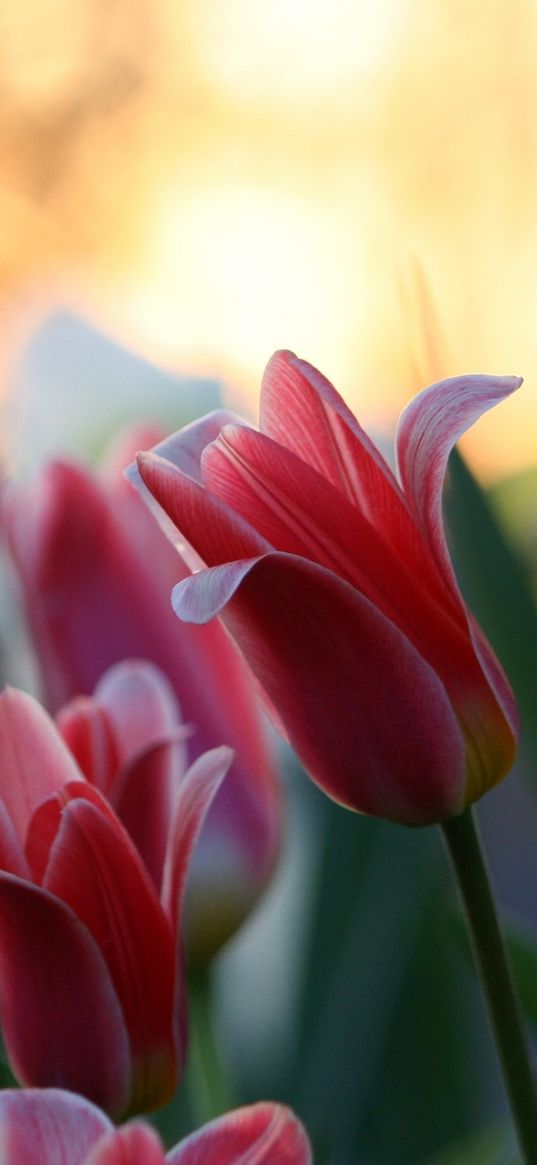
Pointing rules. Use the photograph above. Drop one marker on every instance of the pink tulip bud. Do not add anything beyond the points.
(92, 994)
(42, 1127)
(96, 574)
(334, 579)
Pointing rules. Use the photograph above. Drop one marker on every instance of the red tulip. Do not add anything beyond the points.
(44, 1127)
(92, 994)
(97, 574)
(334, 578)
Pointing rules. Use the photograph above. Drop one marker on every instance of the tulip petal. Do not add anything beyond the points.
(146, 796)
(215, 531)
(62, 1022)
(196, 791)
(92, 588)
(185, 447)
(302, 411)
(95, 868)
(299, 512)
(34, 760)
(87, 732)
(181, 451)
(428, 429)
(46, 821)
(134, 1144)
(367, 715)
(260, 1134)
(48, 1127)
(12, 857)
(140, 703)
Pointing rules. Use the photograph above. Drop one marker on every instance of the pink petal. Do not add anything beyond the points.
(134, 1144)
(48, 1127)
(428, 429)
(215, 531)
(62, 1022)
(98, 575)
(95, 868)
(299, 512)
(87, 732)
(12, 857)
(34, 760)
(197, 790)
(261, 1134)
(92, 588)
(333, 666)
(181, 451)
(47, 819)
(184, 448)
(140, 704)
(145, 800)
(303, 412)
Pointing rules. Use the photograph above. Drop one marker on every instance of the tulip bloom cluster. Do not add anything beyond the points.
(334, 578)
(92, 991)
(96, 573)
(44, 1127)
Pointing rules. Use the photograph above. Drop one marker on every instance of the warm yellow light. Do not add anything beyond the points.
(237, 272)
(293, 50)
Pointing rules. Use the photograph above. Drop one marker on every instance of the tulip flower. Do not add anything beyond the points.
(333, 576)
(92, 994)
(48, 1126)
(96, 574)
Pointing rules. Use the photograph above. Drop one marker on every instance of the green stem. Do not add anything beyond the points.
(492, 961)
(208, 1081)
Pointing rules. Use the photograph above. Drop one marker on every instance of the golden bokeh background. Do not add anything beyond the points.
(211, 179)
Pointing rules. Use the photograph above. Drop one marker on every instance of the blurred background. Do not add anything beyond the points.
(187, 185)
(210, 180)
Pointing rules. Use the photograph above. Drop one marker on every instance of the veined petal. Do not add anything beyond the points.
(181, 451)
(299, 512)
(184, 448)
(34, 760)
(48, 1127)
(146, 797)
(428, 429)
(302, 411)
(367, 715)
(215, 531)
(134, 1144)
(62, 1022)
(95, 868)
(260, 1134)
(87, 732)
(47, 819)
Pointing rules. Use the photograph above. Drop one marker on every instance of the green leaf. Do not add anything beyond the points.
(492, 1146)
(393, 1046)
(496, 585)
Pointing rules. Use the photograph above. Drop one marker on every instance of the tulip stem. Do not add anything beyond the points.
(493, 966)
(208, 1079)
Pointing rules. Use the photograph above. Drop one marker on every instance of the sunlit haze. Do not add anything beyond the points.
(210, 181)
